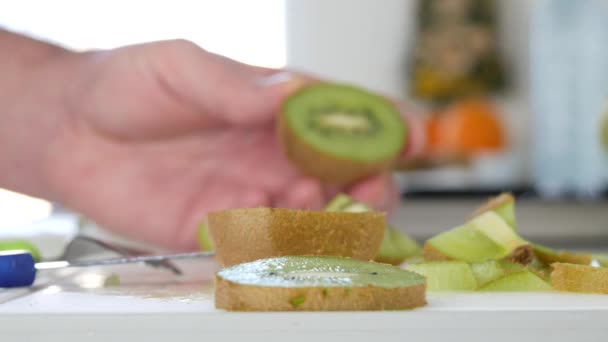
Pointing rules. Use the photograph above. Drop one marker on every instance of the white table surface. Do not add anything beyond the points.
(153, 305)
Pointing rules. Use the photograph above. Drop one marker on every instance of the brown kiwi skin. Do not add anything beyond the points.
(564, 257)
(575, 278)
(237, 297)
(323, 166)
(243, 235)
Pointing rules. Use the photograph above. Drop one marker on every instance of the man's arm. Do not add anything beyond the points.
(31, 82)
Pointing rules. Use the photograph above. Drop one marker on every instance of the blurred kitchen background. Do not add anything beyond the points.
(514, 93)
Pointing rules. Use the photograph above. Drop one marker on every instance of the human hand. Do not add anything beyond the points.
(156, 135)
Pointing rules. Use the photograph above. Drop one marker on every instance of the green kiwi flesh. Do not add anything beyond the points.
(317, 283)
(339, 133)
(345, 122)
(306, 271)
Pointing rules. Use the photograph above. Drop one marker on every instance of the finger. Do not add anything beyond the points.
(222, 91)
(376, 191)
(305, 193)
(416, 139)
(416, 133)
(215, 198)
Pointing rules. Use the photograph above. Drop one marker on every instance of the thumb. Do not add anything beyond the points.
(223, 91)
(261, 99)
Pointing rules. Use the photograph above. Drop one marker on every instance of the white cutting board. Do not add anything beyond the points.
(153, 305)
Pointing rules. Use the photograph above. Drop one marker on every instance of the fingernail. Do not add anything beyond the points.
(285, 81)
(276, 78)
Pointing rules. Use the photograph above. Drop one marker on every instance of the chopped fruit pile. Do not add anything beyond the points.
(485, 254)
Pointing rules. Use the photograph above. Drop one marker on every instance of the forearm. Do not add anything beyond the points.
(30, 111)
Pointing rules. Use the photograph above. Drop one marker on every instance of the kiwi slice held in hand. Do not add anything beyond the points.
(242, 235)
(340, 133)
(309, 283)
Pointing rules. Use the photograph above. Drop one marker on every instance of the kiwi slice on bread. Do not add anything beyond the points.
(242, 235)
(314, 283)
(340, 133)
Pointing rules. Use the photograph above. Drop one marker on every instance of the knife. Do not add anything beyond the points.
(19, 269)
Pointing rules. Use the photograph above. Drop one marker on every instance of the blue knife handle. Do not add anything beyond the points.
(17, 269)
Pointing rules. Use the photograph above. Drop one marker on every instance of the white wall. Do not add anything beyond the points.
(359, 41)
(367, 42)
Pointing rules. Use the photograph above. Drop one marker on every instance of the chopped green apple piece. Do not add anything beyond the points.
(112, 280)
(387, 252)
(549, 256)
(507, 212)
(485, 237)
(446, 275)
(406, 245)
(345, 203)
(522, 281)
(579, 278)
(487, 271)
(464, 243)
(396, 247)
(602, 259)
(21, 245)
(495, 227)
(511, 267)
(204, 238)
(339, 203)
(503, 205)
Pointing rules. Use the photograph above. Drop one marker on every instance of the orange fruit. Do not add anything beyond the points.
(467, 127)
